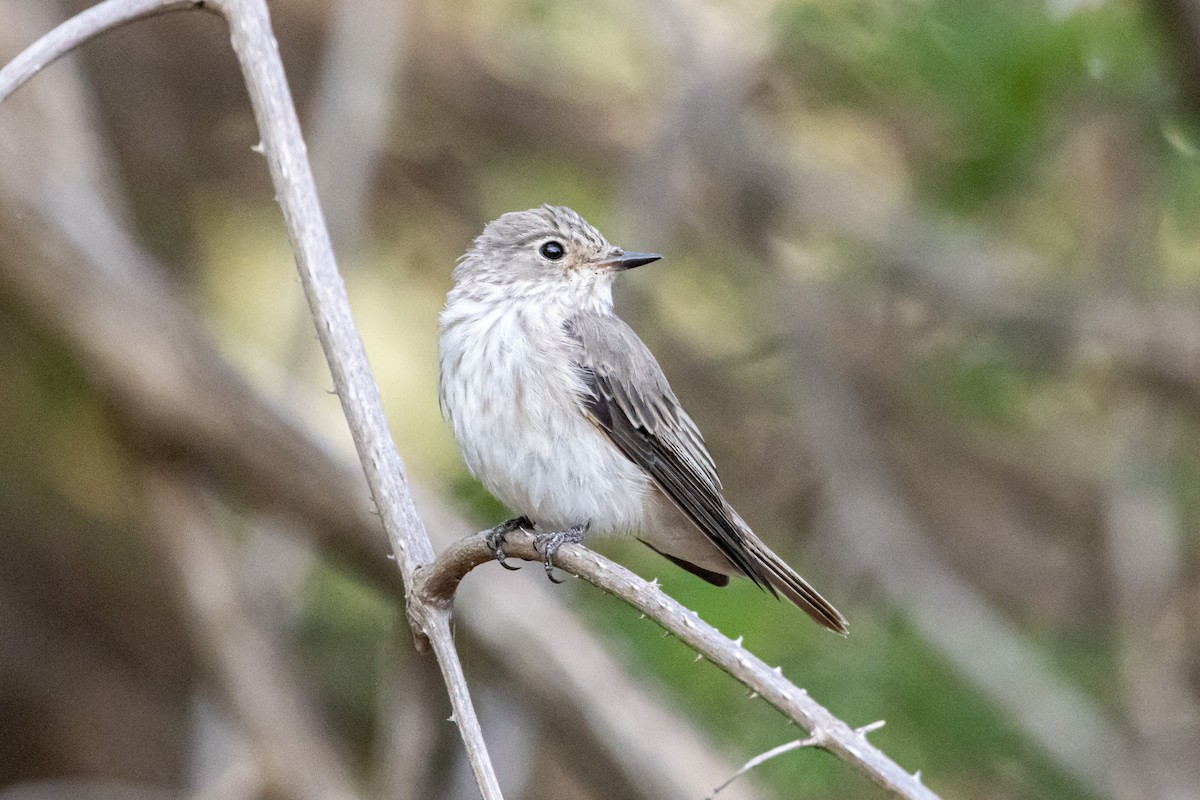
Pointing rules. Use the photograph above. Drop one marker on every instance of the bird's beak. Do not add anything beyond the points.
(624, 261)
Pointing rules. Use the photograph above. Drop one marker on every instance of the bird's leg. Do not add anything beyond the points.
(549, 543)
(495, 537)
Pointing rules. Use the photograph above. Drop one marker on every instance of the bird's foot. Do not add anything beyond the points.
(496, 537)
(549, 543)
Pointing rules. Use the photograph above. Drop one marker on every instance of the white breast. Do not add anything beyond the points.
(512, 397)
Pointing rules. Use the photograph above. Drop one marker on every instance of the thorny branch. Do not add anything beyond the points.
(436, 585)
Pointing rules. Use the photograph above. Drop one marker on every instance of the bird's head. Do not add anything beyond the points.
(549, 249)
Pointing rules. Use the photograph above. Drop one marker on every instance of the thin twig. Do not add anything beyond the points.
(436, 585)
(761, 758)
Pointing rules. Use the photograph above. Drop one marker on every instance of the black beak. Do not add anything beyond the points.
(630, 260)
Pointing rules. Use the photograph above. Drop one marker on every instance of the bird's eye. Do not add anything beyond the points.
(552, 250)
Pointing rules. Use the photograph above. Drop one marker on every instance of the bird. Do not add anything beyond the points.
(564, 415)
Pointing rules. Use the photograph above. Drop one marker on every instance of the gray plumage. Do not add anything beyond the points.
(564, 414)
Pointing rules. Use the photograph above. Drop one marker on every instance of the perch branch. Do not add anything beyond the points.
(436, 584)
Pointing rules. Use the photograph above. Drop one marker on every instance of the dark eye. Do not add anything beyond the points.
(552, 250)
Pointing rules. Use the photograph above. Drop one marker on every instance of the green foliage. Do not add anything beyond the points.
(977, 89)
(978, 380)
(343, 636)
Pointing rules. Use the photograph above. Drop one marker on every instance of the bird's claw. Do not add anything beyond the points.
(549, 543)
(496, 537)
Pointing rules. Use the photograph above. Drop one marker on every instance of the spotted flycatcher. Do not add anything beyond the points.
(564, 415)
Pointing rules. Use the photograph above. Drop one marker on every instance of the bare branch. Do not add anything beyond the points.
(78, 30)
(436, 584)
(258, 54)
(283, 146)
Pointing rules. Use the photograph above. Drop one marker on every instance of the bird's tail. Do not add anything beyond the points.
(785, 581)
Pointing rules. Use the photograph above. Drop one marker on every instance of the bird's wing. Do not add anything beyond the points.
(627, 397)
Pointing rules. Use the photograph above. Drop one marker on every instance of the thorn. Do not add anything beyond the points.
(917, 776)
(641, 616)
(777, 670)
(865, 729)
(391, 556)
(452, 718)
(699, 657)
(753, 695)
(738, 641)
(665, 634)
(258, 148)
(654, 582)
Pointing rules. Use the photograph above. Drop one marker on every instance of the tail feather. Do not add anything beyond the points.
(785, 580)
(794, 588)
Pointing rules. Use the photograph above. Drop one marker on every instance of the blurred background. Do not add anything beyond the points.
(930, 290)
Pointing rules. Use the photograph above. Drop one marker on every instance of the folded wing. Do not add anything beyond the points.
(627, 396)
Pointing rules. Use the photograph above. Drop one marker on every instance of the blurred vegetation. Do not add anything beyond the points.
(1020, 120)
